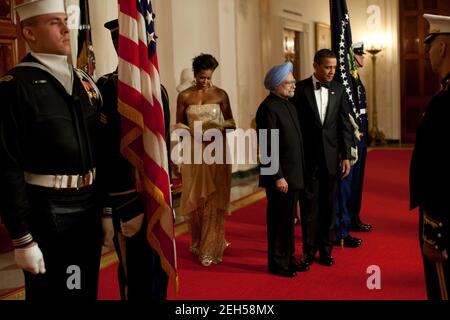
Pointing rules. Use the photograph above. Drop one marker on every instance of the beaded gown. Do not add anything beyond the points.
(206, 192)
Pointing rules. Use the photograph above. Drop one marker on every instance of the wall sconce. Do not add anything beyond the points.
(376, 41)
(289, 45)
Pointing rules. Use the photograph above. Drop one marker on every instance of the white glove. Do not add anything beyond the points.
(354, 155)
(132, 226)
(108, 231)
(30, 259)
(355, 126)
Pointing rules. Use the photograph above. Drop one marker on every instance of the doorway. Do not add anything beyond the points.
(291, 42)
(418, 81)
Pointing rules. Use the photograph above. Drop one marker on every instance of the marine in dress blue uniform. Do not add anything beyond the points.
(349, 195)
(429, 174)
(357, 181)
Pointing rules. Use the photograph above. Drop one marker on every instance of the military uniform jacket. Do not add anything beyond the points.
(117, 175)
(429, 172)
(276, 113)
(43, 130)
(361, 116)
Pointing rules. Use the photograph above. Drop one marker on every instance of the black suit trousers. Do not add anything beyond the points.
(72, 252)
(67, 226)
(318, 212)
(281, 209)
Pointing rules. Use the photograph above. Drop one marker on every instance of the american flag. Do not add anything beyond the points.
(341, 36)
(142, 125)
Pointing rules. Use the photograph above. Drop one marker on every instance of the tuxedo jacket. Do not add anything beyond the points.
(277, 113)
(331, 141)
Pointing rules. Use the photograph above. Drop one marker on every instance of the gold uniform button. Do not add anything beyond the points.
(436, 247)
(439, 235)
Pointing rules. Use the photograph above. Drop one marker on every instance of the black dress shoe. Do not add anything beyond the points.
(349, 242)
(283, 273)
(304, 264)
(301, 266)
(326, 260)
(361, 227)
(308, 258)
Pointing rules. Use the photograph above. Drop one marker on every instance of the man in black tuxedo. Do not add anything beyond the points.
(323, 113)
(282, 177)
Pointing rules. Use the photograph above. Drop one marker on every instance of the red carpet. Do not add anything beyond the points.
(392, 245)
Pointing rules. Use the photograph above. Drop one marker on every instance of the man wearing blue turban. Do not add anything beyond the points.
(277, 117)
(277, 74)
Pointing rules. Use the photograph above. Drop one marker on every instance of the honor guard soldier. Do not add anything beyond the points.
(140, 274)
(351, 188)
(48, 149)
(429, 173)
(358, 169)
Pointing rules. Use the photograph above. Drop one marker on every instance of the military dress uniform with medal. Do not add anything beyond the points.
(429, 172)
(48, 151)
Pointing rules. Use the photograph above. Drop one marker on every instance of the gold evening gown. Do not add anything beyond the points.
(205, 194)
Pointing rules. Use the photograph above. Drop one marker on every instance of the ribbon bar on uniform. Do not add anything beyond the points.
(61, 181)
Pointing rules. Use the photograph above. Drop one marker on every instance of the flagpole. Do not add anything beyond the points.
(341, 213)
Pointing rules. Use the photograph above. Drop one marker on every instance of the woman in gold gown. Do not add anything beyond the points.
(205, 194)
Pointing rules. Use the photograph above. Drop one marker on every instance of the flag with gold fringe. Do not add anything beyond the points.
(142, 125)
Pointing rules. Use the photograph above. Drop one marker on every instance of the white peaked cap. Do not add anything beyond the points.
(33, 8)
(438, 25)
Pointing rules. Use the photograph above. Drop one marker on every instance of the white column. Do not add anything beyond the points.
(228, 53)
(105, 54)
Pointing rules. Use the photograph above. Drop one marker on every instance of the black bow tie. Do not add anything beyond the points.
(320, 85)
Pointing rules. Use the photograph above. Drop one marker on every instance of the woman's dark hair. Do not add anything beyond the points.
(323, 54)
(204, 62)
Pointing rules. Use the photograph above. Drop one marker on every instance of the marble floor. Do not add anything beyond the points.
(11, 277)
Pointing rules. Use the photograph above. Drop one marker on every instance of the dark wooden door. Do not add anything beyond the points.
(418, 81)
(12, 49)
(12, 46)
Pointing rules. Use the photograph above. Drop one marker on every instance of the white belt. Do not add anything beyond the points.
(61, 181)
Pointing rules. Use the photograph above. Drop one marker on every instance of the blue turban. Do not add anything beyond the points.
(277, 74)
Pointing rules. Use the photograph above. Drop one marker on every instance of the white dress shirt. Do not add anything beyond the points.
(321, 99)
